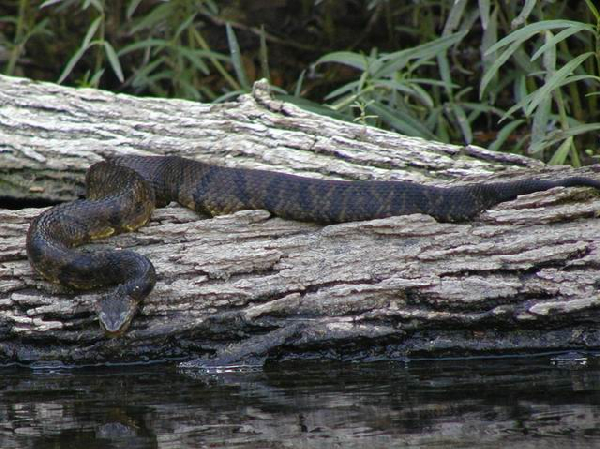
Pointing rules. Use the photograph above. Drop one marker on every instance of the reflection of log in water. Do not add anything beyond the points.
(454, 403)
(522, 278)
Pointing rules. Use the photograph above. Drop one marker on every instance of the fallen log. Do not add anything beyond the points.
(522, 278)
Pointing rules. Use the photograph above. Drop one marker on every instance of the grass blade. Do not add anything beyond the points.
(530, 30)
(454, 16)
(560, 36)
(525, 11)
(504, 133)
(561, 77)
(349, 58)
(398, 60)
(560, 155)
(401, 121)
(236, 58)
(113, 59)
(593, 9)
(461, 118)
(81, 50)
(49, 3)
(557, 136)
(484, 13)
(264, 55)
(492, 71)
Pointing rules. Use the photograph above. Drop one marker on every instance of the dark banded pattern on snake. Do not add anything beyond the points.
(123, 192)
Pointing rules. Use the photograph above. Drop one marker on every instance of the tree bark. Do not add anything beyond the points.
(522, 278)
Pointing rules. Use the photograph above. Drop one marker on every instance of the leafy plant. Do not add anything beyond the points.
(552, 82)
(390, 87)
(512, 75)
(94, 37)
(175, 57)
(426, 90)
(171, 56)
(26, 27)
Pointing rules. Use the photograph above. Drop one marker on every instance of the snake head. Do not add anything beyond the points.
(115, 311)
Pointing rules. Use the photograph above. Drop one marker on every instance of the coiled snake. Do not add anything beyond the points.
(122, 193)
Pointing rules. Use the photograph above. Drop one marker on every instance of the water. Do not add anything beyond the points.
(528, 403)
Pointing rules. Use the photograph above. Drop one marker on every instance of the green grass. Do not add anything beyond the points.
(517, 76)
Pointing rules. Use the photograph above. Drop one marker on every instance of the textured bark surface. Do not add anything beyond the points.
(524, 277)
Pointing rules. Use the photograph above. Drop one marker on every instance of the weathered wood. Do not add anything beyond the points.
(524, 277)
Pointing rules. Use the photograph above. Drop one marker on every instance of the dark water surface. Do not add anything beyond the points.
(528, 402)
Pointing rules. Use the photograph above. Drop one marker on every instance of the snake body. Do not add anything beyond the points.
(122, 193)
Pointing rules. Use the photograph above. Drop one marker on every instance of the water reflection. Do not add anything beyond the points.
(496, 403)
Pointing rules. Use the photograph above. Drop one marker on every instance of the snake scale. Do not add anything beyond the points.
(123, 191)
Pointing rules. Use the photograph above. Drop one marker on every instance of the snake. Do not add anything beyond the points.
(123, 191)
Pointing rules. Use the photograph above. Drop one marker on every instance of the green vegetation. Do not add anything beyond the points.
(508, 75)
